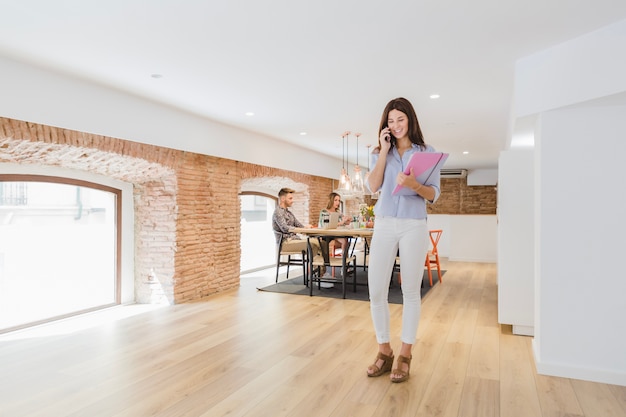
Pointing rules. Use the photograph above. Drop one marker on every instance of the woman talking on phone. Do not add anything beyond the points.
(400, 225)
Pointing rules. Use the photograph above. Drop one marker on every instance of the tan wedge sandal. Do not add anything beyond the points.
(386, 366)
(404, 375)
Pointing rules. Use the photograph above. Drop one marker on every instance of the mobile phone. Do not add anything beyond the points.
(389, 137)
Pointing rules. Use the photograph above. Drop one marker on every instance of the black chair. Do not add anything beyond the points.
(293, 258)
(366, 252)
(348, 274)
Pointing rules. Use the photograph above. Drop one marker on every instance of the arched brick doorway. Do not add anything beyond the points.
(258, 249)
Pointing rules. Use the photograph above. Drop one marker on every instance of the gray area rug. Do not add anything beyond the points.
(296, 286)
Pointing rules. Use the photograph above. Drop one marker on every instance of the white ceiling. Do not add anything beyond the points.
(320, 66)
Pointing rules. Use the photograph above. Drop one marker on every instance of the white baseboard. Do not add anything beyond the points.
(604, 376)
(524, 330)
(478, 260)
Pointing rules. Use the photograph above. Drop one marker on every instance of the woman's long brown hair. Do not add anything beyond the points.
(331, 200)
(405, 106)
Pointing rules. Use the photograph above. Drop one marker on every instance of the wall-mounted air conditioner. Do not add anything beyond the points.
(453, 173)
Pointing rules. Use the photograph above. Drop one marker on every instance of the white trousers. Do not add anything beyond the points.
(410, 236)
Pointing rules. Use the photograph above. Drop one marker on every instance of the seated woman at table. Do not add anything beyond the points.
(333, 206)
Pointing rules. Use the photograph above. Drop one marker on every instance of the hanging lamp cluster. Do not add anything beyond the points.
(351, 186)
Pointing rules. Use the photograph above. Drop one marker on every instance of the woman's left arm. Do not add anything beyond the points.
(343, 219)
(425, 191)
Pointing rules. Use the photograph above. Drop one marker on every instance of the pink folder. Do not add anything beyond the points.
(424, 164)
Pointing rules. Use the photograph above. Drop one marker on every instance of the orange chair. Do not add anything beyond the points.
(432, 256)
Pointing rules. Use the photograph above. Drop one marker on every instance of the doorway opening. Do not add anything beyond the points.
(258, 244)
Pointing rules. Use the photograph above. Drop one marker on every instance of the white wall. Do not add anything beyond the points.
(467, 238)
(36, 95)
(578, 88)
(516, 266)
(585, 68)
(482, 177)
(582, 302)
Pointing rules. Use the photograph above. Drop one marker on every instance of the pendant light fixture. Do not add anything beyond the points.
(345, 184)
(357, 181)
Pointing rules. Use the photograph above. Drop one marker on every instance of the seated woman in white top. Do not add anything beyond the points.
(333, 206)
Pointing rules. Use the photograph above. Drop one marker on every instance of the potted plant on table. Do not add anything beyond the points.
(367, 213)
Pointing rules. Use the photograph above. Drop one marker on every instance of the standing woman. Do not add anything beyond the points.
(400, 224)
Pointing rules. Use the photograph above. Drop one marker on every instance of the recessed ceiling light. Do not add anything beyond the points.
(465, 152)
(434, 96)
(156, 75)
(302, 133)
(249, 113)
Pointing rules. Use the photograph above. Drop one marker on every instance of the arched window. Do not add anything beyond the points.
(59, 248)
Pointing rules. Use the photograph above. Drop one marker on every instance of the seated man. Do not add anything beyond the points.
(283, 223)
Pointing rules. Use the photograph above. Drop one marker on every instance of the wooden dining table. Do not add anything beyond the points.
(329, 234)
(338, 232)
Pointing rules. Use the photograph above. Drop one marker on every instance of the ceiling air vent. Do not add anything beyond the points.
(453, 173)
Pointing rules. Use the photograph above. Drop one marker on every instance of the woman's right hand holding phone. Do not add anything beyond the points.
(385, 140)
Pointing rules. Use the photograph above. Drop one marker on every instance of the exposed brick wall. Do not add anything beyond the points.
(155, 239)
(311, 191)
(459, 198)
(187, 205)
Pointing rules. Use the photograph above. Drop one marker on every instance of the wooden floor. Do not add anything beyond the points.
(250, 353)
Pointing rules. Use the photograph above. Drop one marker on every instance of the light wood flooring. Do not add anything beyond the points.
(249, 353)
